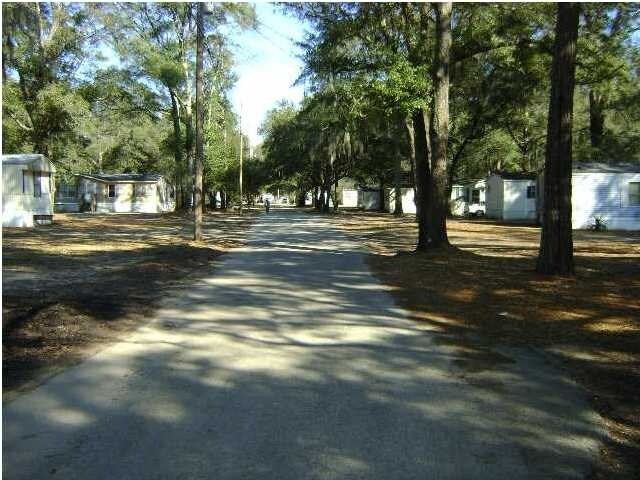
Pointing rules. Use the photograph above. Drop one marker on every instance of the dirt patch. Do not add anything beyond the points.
(484, 292)
(74, 287)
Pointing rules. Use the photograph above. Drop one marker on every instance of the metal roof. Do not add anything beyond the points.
(33, 161)
(515, 175)
(123, 177)
(596, 167)
(465, 181)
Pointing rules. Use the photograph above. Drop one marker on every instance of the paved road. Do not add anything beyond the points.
(291, 362)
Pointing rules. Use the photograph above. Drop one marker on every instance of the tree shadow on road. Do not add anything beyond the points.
(264, 370)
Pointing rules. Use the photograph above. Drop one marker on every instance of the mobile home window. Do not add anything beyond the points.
(111, 189)
(37, 184)
(634, 193)
(475, 196)
(531, 191)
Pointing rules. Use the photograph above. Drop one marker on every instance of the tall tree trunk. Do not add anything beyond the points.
(189, 134)
(397, 188)
(197, 187)
(556, 242)
(177, 147)
(439, 203)
(596, 118)
(382, 195)
(412, 160)
(423, 172)
(453, 170)
(302, 197)
(325, 198)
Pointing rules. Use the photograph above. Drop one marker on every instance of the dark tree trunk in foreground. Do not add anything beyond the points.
(556, 243)
(439, 203)
(423, 172)
(197, 183)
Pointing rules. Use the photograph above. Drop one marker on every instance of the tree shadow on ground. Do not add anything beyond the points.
(485, 292)
(72, 287)
(293, 362)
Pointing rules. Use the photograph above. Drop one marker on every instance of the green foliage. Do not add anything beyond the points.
(120, 119)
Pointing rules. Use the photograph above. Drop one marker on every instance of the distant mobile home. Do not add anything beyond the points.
(468, 197)
(27, 190)
(610, 193)
(126, 193)
(407, 192)
(512, 195)
(358, 196)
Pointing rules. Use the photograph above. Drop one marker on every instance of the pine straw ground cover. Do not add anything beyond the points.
(71, 288)
(484, 292)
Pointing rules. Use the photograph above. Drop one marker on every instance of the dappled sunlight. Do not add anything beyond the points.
(485, 292)
(72, 287)
(68, 417)
(297, 361)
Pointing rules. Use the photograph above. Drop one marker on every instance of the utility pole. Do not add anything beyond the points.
(241, 147)
(197, 207)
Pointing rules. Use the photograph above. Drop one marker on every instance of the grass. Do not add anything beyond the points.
(74, 287)
(484, 292)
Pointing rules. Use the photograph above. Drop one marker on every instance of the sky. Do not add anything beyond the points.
(267, 65)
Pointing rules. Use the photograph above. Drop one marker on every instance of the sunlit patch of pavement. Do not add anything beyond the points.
(291, 361)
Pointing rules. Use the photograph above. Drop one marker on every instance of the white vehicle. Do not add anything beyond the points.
(477, 209)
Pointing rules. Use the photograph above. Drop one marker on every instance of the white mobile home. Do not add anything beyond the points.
(512, 195)
(407, 192)
(125, 193)
(408, 205)
(468, 197)
(358, 196)
(27, 190)
(349, 198)
(610, 193)
(459, 198)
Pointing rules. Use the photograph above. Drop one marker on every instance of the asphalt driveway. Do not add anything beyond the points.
(293, 362)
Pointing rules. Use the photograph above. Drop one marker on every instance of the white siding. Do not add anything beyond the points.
(458, 201)
(494, 196)
(18, 206)
(349, 198)
(408, 205)
(604, 195)
(129, 197)
(516, 205)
